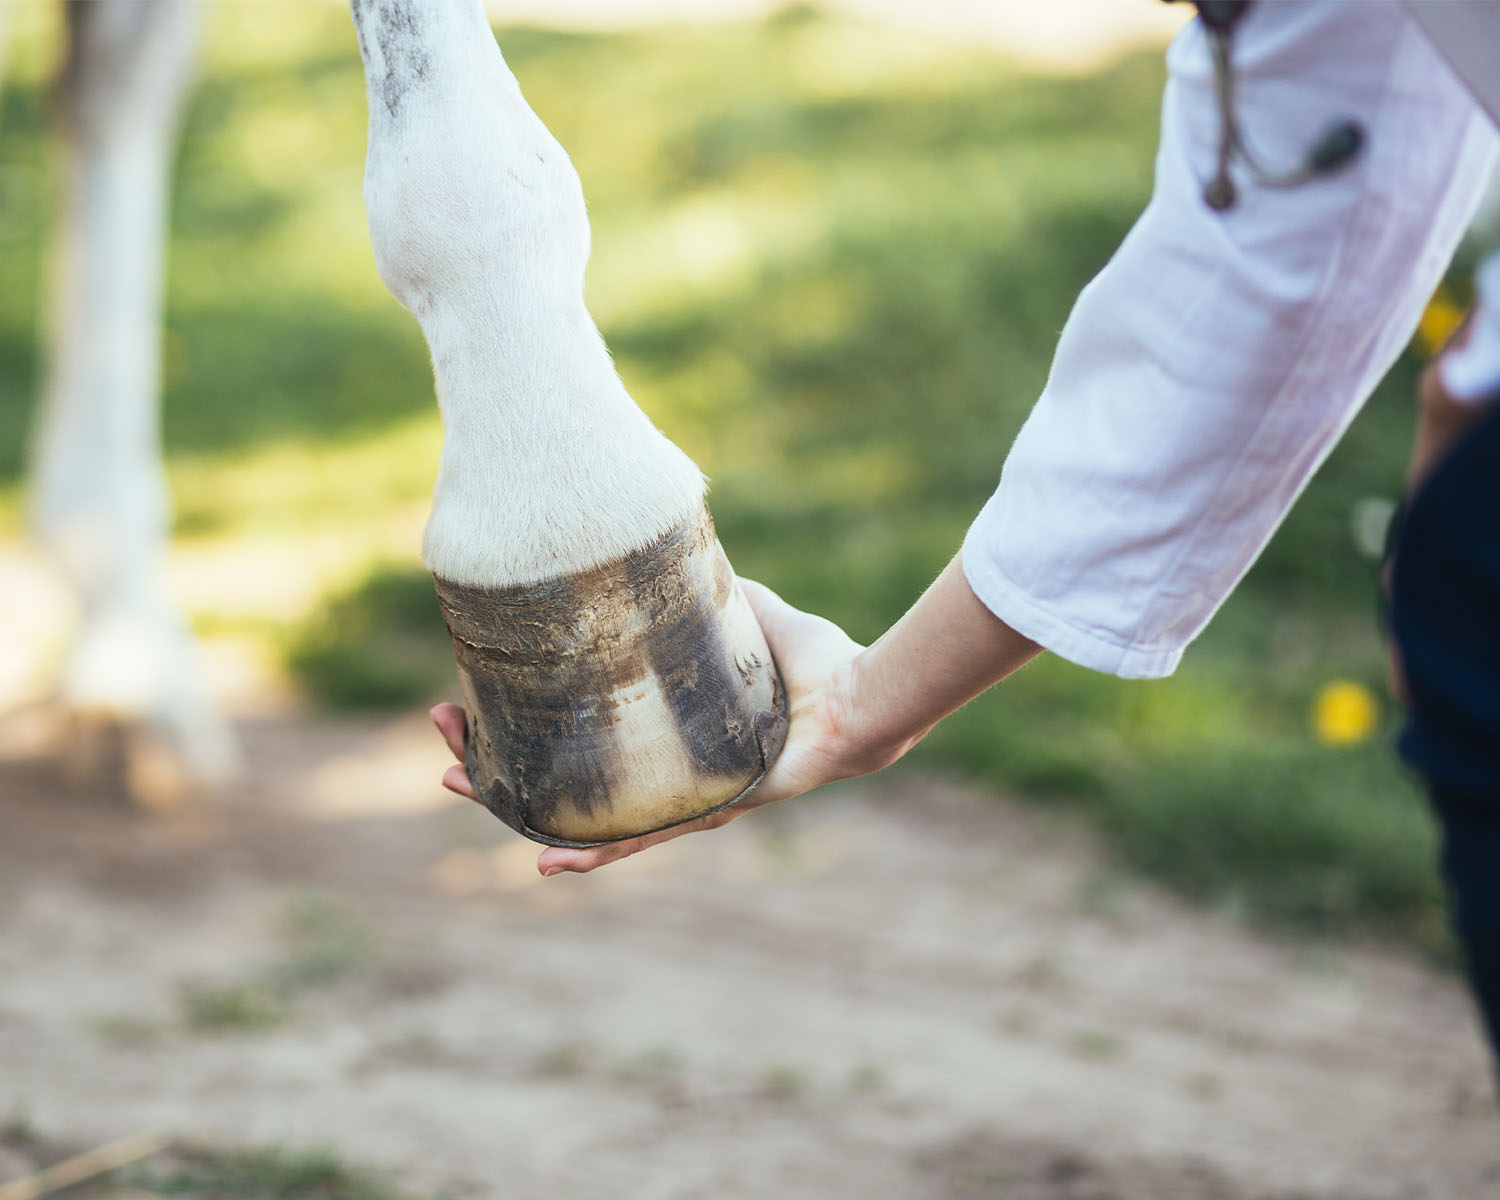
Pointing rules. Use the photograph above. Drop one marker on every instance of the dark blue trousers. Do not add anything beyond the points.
(1471, 862)
(1446, 621)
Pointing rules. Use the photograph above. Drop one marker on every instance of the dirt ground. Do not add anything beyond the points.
(903, 988)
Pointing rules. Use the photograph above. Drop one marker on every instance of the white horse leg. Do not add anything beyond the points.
(100, 497)
(615, 677)
(478, 224)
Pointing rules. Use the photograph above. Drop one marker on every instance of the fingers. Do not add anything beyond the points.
(451, 723)
(556, 859)
(769, 608)
(787, 627)
(456, 779)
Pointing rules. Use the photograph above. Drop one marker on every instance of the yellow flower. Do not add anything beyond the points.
(1344, 713)
(1439, 320)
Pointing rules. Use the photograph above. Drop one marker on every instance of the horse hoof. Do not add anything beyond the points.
(620, 700)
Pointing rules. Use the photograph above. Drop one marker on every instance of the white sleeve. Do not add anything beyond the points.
(1208, 370)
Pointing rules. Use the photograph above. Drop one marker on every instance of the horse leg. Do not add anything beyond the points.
(615, 677)
(99, 489)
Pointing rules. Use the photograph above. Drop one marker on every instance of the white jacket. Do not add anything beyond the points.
(1208, 370)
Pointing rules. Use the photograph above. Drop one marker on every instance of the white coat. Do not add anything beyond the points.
(1215, 361)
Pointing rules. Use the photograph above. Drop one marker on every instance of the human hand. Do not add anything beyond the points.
(816, 659)
(1442, 418)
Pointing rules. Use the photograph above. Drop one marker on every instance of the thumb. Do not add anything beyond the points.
(775, 615)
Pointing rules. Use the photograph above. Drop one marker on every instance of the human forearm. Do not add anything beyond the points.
(945, 651)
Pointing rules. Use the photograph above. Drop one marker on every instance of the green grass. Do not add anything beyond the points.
(261, 1174)
(832, 263)
(375, 645)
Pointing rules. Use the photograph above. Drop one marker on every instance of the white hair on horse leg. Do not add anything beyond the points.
(479, 229)
(99, 491)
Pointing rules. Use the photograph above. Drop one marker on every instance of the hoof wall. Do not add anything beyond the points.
(617, 701)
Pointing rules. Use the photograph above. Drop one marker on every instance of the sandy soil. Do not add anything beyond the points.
(902, 989)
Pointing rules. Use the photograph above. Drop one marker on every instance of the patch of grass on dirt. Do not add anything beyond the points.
(240, 1006)
(565, 1060)
(18, 1128)
(262, 1174)
(125, 1029)
(867, 1078)
(784, 1081)
(654, 1063)
(1097, 1044)
(324, 943)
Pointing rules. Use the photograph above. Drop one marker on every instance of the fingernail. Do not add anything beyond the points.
(551, 871)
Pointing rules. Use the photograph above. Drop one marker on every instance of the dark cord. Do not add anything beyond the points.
(1336, 148)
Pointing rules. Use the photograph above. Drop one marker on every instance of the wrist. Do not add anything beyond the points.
(867, 731)
(1439, 409)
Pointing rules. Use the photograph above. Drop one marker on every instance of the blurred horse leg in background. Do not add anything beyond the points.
(99, 490)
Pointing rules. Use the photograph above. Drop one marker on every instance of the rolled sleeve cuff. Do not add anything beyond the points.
(1093, 649)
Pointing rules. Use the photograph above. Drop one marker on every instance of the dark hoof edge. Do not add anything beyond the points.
(770, 735)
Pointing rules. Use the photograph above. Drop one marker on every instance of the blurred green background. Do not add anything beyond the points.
(832, 262)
